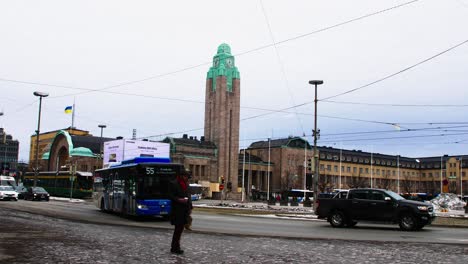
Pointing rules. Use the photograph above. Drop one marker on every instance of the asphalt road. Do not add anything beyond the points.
(33, 238)
(258, 225)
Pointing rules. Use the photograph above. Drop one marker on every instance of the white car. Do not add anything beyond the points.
(8, 193)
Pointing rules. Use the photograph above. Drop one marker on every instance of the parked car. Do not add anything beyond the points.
(21, 190)
(375, 205)
(36, 193)
(8, 193)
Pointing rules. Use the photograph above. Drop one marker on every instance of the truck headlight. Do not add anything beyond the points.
(422, 208)
(142, 206)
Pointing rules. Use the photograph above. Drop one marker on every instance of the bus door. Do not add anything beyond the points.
(118, 193)
(130, 192)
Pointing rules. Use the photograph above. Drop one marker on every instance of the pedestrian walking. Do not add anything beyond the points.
(181, 208)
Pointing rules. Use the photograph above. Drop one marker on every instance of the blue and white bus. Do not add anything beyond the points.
(137, 187)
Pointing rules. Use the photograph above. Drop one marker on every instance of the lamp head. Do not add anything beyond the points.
(102, 126)
(316, 82)
(40, 94)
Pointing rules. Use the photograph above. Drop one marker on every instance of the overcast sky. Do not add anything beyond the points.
(147, 62)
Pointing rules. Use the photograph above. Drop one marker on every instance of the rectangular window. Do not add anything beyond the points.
(348, 169)
(360, 170)
(358, 195)
(378, 171)
(335, 168)
(322, 167)
(328, 167)
(367, 170)
(354, 169)
(342, 168)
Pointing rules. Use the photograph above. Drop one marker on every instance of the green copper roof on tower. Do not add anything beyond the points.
(223, 65)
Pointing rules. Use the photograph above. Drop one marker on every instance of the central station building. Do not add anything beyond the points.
(265, 166)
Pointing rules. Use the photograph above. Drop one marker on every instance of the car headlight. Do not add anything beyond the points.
(142, 206)
(422, 208)
(35, 194)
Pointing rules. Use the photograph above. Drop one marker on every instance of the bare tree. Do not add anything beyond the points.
(385, 182)
(407, 183)
(453, 186)
(325, 182)
(357, 181)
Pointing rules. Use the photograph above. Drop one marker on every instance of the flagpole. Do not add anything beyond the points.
(73, 113)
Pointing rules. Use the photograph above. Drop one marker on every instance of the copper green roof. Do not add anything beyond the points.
(81, 152)
(223, 65)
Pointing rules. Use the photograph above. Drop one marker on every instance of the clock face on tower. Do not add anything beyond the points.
(229, 63)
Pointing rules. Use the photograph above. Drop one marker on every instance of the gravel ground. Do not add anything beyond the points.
(29, 238)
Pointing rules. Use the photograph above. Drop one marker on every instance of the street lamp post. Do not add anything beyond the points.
(398, 170)
(40, 95)
(315, 134)
(101, 146)
(419, 175)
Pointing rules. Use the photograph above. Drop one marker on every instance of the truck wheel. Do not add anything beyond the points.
(407, 222)
(337, 219)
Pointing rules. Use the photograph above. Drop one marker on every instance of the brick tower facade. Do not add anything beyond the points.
(222, 113)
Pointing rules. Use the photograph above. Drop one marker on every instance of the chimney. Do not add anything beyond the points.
(202, 138)
(184, 136)
(191, 138)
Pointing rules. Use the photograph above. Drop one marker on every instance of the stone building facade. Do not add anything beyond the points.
(344, 169)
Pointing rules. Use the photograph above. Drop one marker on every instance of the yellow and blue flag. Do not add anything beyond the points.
(68, 110)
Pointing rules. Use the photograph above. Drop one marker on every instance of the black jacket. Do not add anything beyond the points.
(179, 211)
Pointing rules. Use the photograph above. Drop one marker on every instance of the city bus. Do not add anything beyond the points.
(196, 191)
(136, 187)
(299, 194)
(62, 183)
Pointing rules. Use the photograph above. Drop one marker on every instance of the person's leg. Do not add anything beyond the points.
(175, 245)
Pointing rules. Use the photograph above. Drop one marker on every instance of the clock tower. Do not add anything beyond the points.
(222, 113)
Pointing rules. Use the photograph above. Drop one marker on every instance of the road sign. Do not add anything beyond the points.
(221, 187)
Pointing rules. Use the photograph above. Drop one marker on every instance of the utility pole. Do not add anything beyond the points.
(101, 145)
(36, 170)
(316, 133)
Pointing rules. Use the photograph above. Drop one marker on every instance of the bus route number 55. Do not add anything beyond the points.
(150, 171)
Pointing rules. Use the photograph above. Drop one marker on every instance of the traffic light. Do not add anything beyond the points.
(309, 165)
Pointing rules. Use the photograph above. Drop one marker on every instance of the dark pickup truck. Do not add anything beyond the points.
(374, 205)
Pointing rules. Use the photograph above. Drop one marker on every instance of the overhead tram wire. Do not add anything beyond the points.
(366, 85)
(392, 131)
(281, 64)
(87, 90)
(386, 138)
(397, 105)
(398, 72)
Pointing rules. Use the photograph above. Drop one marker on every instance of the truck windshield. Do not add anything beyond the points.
(394, 195)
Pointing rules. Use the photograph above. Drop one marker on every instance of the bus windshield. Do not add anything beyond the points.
(155, 186)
